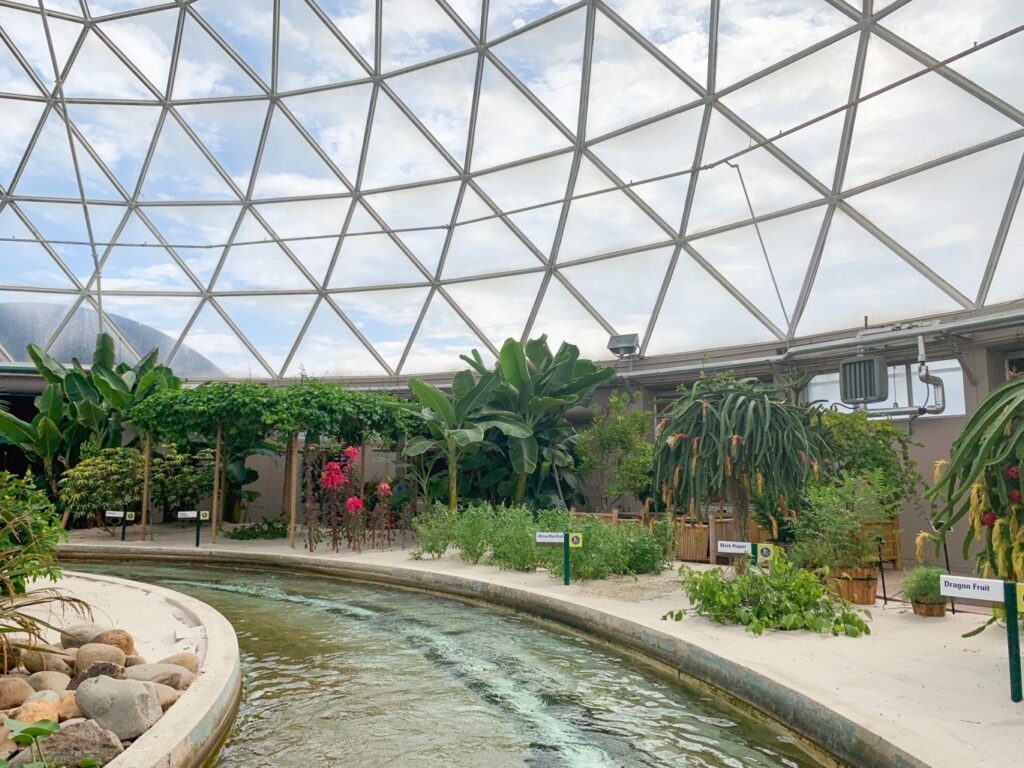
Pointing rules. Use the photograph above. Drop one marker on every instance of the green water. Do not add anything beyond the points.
(343, 674)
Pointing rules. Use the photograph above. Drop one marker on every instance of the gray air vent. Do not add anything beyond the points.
(863, 380)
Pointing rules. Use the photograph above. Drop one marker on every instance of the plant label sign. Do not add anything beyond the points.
(734, 548)
(975, 589)
(766, 554)
(204, 514)
(575, 540)
(550, 537)
(188, 514)
(114, 514)
(129, 516)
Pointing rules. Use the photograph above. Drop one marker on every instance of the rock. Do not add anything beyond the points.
(186, 659)
(49, 696)
(78, 739)
(49, 681)
(168, 674)
(117, 638)
(126, 707)
(7, 745)
(134, 661)
(10, 659)
(42, 657)
(95, 670)
(164, 694)
(34, 711)
(14, 691)
(78, 635)
(67, 707)
(90, 653)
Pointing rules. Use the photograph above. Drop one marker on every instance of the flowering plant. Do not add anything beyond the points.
(354, 504)
(332, 477)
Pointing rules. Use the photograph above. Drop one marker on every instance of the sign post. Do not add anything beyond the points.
(191, 514)
(117, 514)
(1011, 595)
(567, 540)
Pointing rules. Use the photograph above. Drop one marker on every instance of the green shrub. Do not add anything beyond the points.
(473, 531)
(665, 534)
(783, 597)
(922, 585)
(110, 478)
(513, 546)
(645, 553)
(434, 529)
(29, 534)
(269, 528)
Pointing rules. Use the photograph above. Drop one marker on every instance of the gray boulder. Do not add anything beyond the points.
(79, 634)
(95, 670)
(49, 681)
(126, 707)
(75, 740)
(167, 674)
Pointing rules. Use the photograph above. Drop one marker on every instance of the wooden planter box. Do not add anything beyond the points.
(889, 530)
(935, 610)
(858, 585)
(692, 541)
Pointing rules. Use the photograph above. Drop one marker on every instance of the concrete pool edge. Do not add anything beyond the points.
(844, 740)
(190, 733)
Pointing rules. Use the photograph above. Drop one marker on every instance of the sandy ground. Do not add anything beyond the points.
(159, 627)
(916, 682)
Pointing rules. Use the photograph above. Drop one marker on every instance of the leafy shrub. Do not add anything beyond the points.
(783, 597)
(473, 531)
(645, 553)
(514, 546)
(181, 479)
(665, 534)
(922, 585)
(270, 528)
(110, 478)
(29, 533)
(608, 550)
(434, 531)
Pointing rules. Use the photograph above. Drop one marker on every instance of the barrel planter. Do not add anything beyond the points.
(857, 585)
(934, 610)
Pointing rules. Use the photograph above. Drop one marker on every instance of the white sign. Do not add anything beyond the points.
(550, 537)
(115, 514)
(188, 514)
(975, 589)
(734, 547)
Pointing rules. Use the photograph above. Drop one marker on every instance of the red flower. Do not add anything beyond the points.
(351, 453)
(1013, 473)
(332, 477)
(353, 504)
(1015, 496)
(988, 519)
(383, 489)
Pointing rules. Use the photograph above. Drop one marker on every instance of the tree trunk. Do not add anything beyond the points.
(287, 473)
(217, 461)
(147, 466)
(521, 487)
(453, 484)
(293, 490)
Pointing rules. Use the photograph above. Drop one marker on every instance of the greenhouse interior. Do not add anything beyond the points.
(553, 383)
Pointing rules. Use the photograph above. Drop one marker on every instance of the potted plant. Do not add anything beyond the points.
(922, 590)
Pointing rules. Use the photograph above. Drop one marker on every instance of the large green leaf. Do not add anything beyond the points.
(148, 363)
(48, 438)
(15, 430)
(111, 387)
(433, 398)
(418, 445)
(509, 424)
(462, 384)
(475, 399)
(523, 453)
(48, 368)
(103, 354)
(78, 388)
(515, 368)
(51, 403)
(468, 435)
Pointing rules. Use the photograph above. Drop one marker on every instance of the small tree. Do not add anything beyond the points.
(181, 479)
(616, 447)
(108, 478)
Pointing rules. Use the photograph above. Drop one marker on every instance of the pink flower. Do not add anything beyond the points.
(383, 489)
(1013, 473)
(988, 519)
(351, 453)
(1015, 496)
(332, 477)
(353, 504)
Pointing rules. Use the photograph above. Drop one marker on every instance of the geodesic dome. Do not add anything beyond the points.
(348, 188)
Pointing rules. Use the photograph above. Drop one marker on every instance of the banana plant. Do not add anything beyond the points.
(457, 423)
(41, 439)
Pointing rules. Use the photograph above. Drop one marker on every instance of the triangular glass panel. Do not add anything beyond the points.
(548, 60)
(271, 323)
(309, 52)
(622, 289)
(329, 348)
(356, 20)
(398, 152)
(921, 120)
(194, 225)
(337, 120)
(428, 206)
(499, 306)
(470, 11)
(205, 69)
(563, 318)
(98, 73)
(481, 247)
(995, 69)
(248, 27)
(385, 318)
(259, 265)
(753, 35)
(859, 278)
(368, 260)
(805, 89)
(13, 76)
(95, 183)
(26, 263)
(1008, 279)
(147, 40)
(105, 220)
(70, 7)
(139, 263)
(948, 216)
(179, 171)
(508, 126)
(441, 97)
(230, 131)
(311, 229)
(698, 313)
(417, 30)
(106, 7)
(30, 318)
(441, 338)
(20, 121)
(25, 29)
(426, 246)
(627, 83)
(290, 167)
(216, 351)
(57, 221)
(505, 16)
(719, 198)
(147, 323)
(678, 29)
(605, 223)
(789, 240)
(50, 171)
(119, 134)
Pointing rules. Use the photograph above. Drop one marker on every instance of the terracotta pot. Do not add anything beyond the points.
(935, 610)
(858, 585)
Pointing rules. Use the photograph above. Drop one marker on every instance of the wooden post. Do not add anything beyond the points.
(147, 465)
(217, 460)
(287, 473)
(293, 490)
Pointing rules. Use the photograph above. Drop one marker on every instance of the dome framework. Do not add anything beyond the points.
(356, 188)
